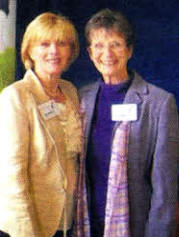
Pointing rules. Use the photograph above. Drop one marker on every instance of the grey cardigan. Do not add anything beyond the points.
(152, 159)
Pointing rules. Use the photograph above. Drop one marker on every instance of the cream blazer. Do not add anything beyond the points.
(32, 181)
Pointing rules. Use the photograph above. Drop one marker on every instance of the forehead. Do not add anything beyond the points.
(49, 33)
(103, 34)
(51, 36)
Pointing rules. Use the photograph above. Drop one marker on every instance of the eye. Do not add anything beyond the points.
(45, 44)
(115, 44)
(62, 43)
(98, 46)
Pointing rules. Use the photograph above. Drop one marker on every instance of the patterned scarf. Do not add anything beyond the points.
(117, 206)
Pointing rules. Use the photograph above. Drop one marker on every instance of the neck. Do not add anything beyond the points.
(50, 85)
(49, 82)
(116, 79)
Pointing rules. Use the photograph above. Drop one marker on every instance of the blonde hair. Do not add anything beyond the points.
(49, 26)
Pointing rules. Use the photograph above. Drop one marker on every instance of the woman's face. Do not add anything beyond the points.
(109, 52)
(50, 57)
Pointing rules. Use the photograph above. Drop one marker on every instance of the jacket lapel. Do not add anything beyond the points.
(35, 87)
(136, 91)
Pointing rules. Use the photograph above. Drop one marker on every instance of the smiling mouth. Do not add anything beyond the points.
(111, 63)
(53, 60)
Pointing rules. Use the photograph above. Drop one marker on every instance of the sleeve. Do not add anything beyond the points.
(17, 214)
(162, 213)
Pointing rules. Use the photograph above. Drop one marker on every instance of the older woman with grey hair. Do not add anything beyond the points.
(131, 148)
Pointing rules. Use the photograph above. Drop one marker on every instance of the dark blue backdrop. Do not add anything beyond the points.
(156, 21)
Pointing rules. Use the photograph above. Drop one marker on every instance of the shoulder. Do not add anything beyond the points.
(89, 88)
(20, 92)
(158, 91)
(13, 101)
(149, 89)
(160, 99)
(151, 98)
(67, 85)
(14, 91)
(69, 90)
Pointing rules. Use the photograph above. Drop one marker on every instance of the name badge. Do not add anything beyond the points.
(124, 112)
(49, 109)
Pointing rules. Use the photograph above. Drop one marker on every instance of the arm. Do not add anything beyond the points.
(17, 212)
(164, 172)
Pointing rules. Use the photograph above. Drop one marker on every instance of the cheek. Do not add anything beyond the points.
(69, 56)
(93, 54)
(34, 55)
(95, 57)
(123, 57)
(32, 52)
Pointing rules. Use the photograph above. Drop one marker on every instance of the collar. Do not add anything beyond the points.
(35, 87)
(137, 89)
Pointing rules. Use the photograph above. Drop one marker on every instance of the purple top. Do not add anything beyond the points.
(99, 150)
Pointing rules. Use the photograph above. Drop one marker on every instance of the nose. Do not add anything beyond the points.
(53, 48)
(107, 51)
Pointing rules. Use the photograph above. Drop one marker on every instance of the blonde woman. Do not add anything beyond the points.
(40, 134)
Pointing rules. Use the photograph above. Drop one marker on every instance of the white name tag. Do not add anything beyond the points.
(49, 109)
(124, 112)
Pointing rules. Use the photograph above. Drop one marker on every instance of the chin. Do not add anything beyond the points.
(107, 74)
(55, 71)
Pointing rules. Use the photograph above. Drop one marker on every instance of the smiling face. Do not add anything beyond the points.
(110, 55)
(50, 57)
